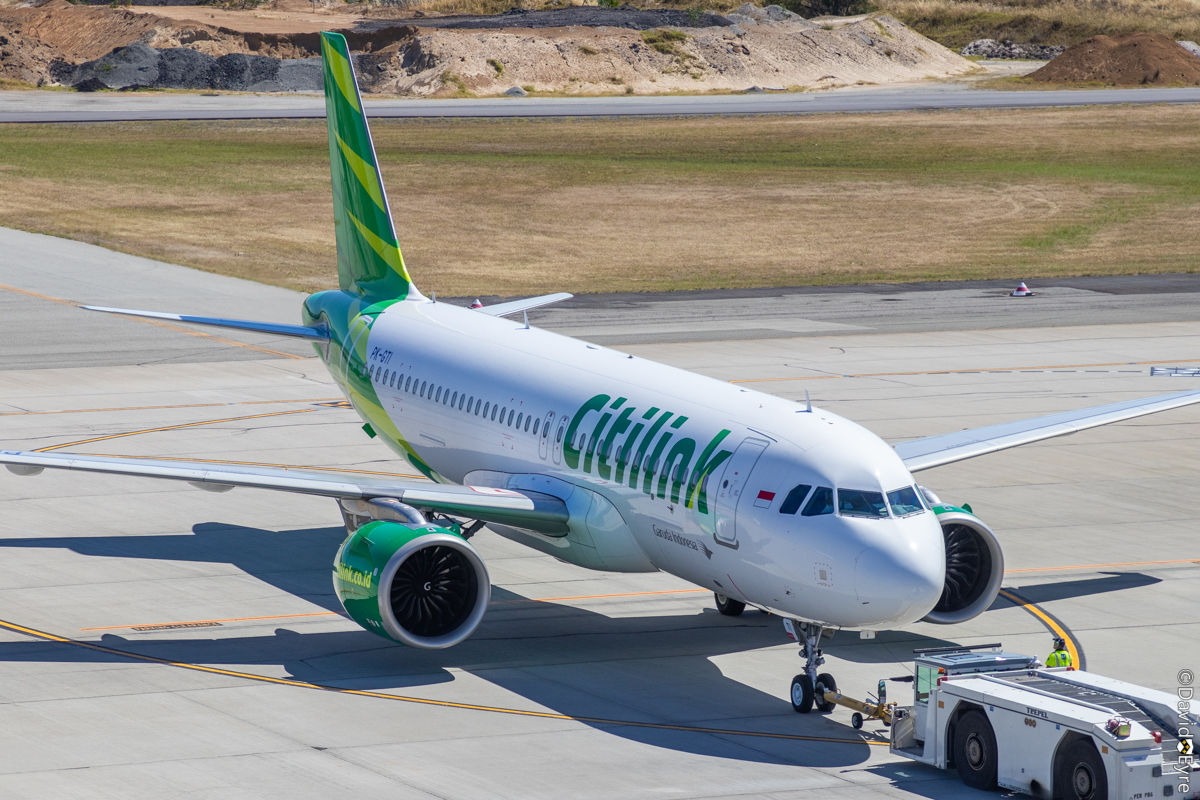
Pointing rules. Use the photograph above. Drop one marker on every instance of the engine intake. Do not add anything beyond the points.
(425, 587)
(974, 567)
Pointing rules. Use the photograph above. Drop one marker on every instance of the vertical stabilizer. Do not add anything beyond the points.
(368, 255)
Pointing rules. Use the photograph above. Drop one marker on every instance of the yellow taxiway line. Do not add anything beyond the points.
(250, 676)
(156, 408)
(171, 428)
(160, 324)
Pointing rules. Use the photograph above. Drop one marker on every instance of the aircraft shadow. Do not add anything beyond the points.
(653, 669)
(1113, 582)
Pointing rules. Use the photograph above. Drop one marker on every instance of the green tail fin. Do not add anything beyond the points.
(368, 255)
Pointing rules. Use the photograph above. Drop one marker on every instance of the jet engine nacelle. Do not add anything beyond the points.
(422, 586)
(974, 567)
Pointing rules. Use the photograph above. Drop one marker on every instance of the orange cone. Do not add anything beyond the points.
(1021, 291)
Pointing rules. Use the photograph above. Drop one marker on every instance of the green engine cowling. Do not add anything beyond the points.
(425, 587)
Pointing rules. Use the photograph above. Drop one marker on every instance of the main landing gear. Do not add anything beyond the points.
(728, 606)
(809, 688)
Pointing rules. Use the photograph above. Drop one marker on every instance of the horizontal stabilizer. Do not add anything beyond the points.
(520, 509)
(935, 451)
(302, 331)
(528, 304)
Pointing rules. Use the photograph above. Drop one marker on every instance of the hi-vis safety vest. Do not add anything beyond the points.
(1059, 658)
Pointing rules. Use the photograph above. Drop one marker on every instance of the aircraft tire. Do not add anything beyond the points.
(728, 606)
(802, 694)
(825, 683)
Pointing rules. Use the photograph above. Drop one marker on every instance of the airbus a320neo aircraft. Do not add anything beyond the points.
(599, 458)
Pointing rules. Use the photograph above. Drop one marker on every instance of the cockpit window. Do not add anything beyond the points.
(905, 501)
(791, 503)
(821, 503)
(856, 503)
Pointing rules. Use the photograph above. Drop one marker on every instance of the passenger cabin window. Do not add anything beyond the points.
(423, 385)
(905, 501)
(925, 681)
(856, 503)
(820, 504)
(519, 418)
(536, 423)
(407, 383)
(791, 503)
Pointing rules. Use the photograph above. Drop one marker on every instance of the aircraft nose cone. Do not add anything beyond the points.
(900, 583)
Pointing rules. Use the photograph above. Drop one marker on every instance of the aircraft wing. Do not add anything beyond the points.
(302, 331)
(935, 451)
(522, 509)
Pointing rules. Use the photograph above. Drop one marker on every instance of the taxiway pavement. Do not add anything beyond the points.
(41, 106)
(1097, 529)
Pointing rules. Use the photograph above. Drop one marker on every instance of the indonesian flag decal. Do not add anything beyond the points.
(764, 499)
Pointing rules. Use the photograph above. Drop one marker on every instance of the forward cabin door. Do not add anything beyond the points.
(731, 487)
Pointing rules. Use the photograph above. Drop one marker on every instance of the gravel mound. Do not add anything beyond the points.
(582, 16)
(1132, 59)
(140, 66)
(750, 14)
(990, 48)
(1191, 47)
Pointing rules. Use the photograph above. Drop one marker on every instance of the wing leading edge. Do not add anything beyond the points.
(935, 451)
(522, 509)
(278, 328)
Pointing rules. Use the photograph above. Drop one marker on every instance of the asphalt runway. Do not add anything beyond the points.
(34, 106)
(194, 646)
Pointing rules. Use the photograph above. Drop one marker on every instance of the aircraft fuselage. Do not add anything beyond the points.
(661, 468)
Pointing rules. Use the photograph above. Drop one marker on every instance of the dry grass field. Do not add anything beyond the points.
(955, 23)
(512, 207)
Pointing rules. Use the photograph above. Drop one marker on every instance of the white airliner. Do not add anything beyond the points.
(599, 458)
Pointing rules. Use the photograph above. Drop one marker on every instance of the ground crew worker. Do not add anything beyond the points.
(1060, 657)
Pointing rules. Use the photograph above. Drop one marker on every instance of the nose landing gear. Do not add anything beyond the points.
(809, 688)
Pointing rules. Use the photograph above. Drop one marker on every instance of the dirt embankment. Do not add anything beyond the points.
(793, 53)
(1134, 59)
(649, 52)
